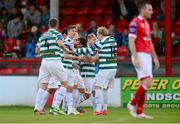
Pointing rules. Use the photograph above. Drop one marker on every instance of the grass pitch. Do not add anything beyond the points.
(18, 114)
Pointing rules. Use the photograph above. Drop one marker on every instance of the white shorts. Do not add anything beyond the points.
(89, 84)
(71, 77)
(78, 79)
(52, 69)
(145, 69)
(53, 84)
(105, 79)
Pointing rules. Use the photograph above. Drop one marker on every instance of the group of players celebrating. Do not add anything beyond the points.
(68, 64)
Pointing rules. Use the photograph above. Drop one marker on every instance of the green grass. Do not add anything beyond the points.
(17, 114)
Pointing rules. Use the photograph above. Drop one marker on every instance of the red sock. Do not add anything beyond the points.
(140, 104)
(139, 93)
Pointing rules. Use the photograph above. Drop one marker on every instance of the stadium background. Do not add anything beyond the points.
(19, 71)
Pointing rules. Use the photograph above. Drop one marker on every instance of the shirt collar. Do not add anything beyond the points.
(141, 18)
(68, 38)
(51, 29)
(104, 38)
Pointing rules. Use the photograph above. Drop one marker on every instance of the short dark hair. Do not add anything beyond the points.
(83, 41)
(17, 15)
(71, 27)
(53, 22)
(142, 5)
(64, 31)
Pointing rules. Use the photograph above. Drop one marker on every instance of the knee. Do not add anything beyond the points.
(148, 82)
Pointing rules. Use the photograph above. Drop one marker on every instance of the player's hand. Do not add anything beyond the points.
(83, 59)
(79, 58)
(156, 62)
(136, 62)
(67, 51)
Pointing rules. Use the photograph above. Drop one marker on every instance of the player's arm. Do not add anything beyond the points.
(37, 51)
(92, 59)
(154, 56)
(68, 56)
(60, 43)
(132, 38)
(132, 46)
(84, 51)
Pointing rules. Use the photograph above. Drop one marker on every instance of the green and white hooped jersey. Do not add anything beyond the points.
(48, 46)
(87, 69)
(107, 55)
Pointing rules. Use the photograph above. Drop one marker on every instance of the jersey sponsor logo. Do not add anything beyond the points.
(132, 30)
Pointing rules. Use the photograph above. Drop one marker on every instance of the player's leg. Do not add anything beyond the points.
(98, 100)
(89, 93)
(99, 93)
(93, 93)
(140, 102)
(145, 77)
(76, 93)
(105, 101)
(146, 83)
(39, 97)
(59, 73)
(69, 95)
(69, 99)
(93, 100)
(75, 99)
(53, 85)
(82, 95)
(138, 97)
(44, 77)
(58, 98)
(108, 83)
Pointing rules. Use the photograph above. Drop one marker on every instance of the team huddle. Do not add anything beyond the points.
(68, 64)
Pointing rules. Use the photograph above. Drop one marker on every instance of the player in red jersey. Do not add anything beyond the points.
(143, 53)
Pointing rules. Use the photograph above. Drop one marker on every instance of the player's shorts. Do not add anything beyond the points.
(52, 68)
(89, 84)
(78, 79)
(145, 69)
(71, 77)
(105, 79)
(54, 84)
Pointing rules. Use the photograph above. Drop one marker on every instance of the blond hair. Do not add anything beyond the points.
(91, 36)
(103, 31)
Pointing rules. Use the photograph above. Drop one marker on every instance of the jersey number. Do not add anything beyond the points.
(113, 51)
(46, 44)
